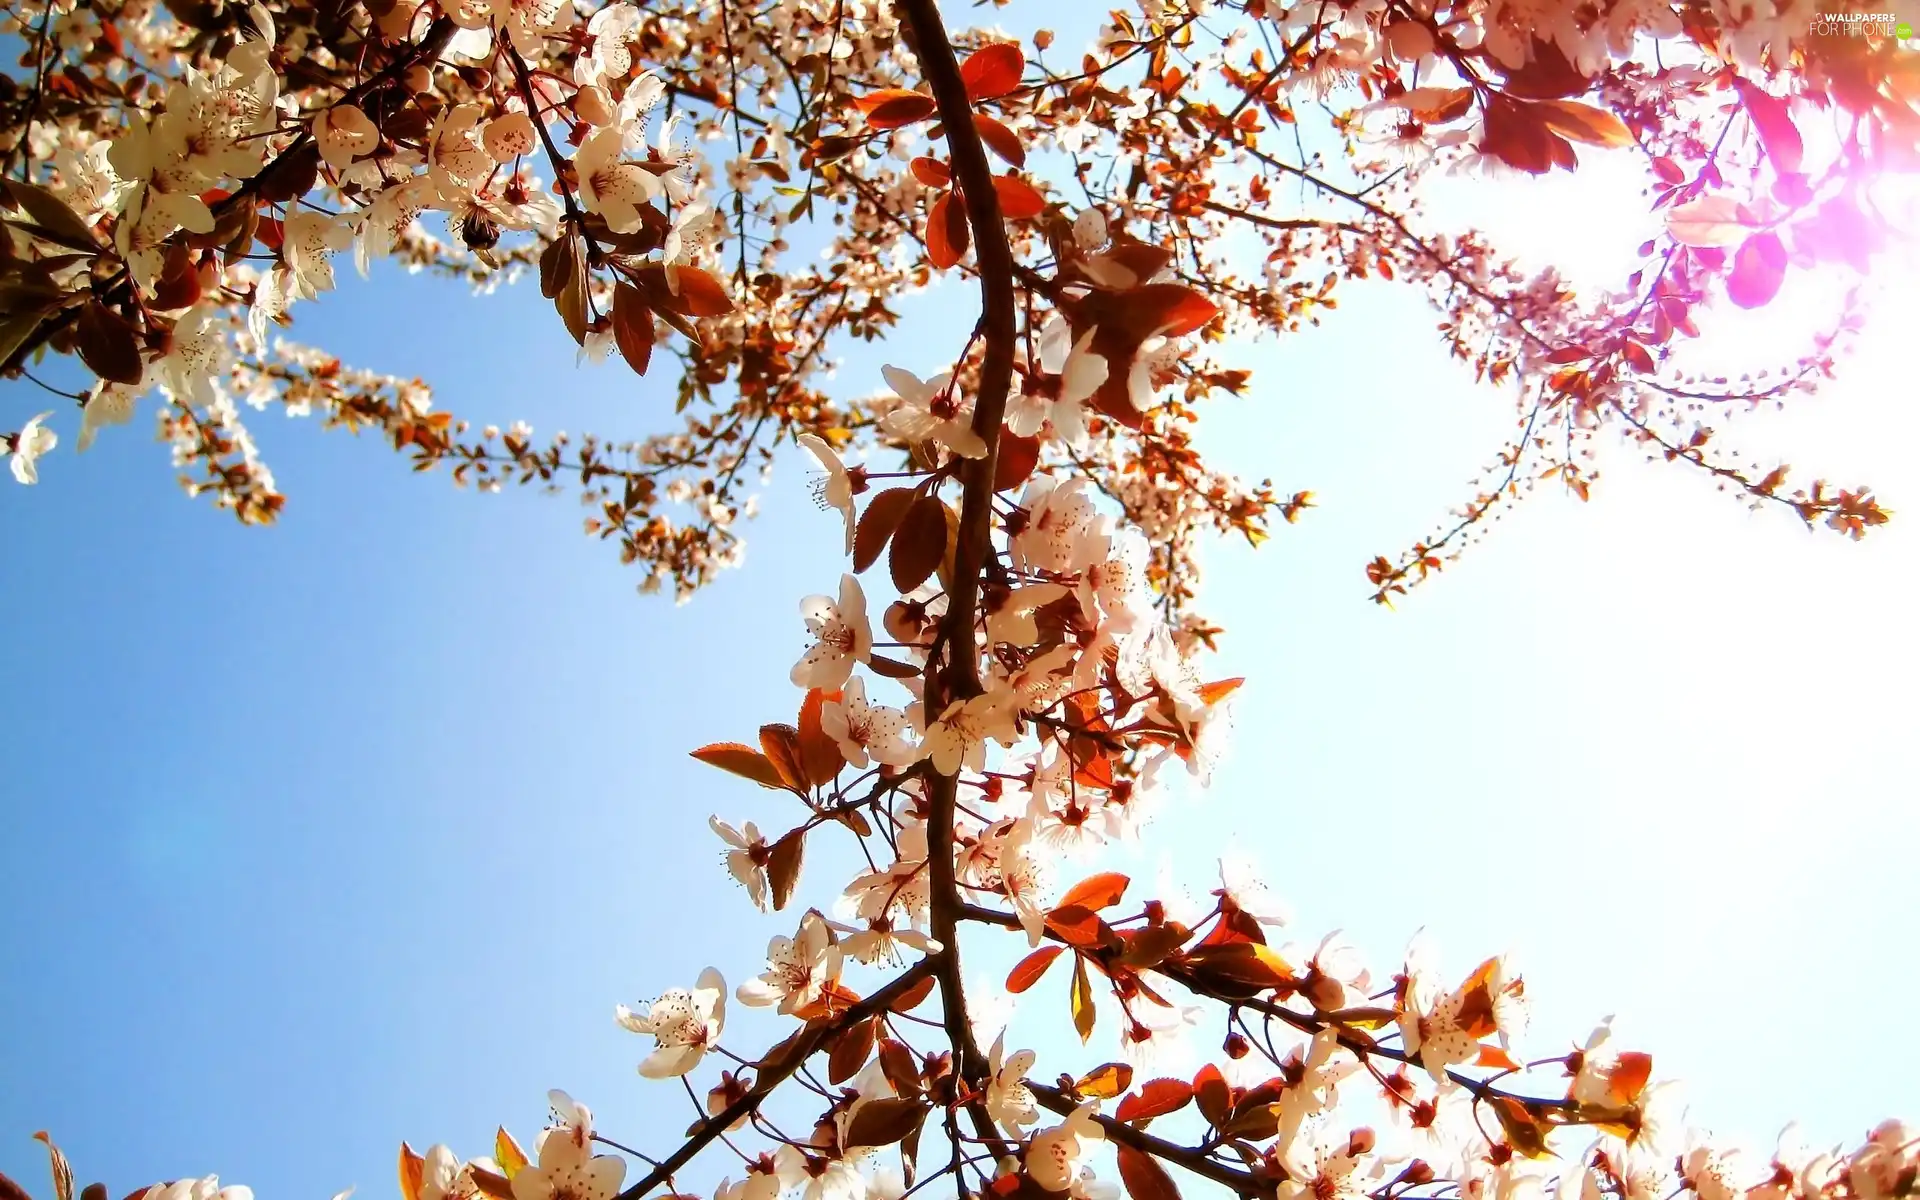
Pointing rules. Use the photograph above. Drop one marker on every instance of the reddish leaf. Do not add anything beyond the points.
(1169, 309)
(1213, 693)
(992, 71)
(999, 139)
(1019, 201)
(1517, 134)
(633, 330)
(1547, 75)
(899, 1066)
(1105, 1082)
(890, 108)
(412, 1172)
(918, 544)
(931, 171)
(1028, 970)
(743, 761)
(1145, 1178)
(781, 744)
(1494, 1056)
(783, 866)
(820, 757)
(877, 525)
(1096, 891)
(1771, 120)
(850, 1052)
(1079, 927)
(1211, 1092)
(947, 233)
(893, 668)
(1015, 463)
(1759, 268)
(107, 343)
(1156, 1098)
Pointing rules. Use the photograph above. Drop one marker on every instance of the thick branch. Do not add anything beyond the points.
(973, 544)
(811, 1039)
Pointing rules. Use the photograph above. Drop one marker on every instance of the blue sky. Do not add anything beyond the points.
(356, 829)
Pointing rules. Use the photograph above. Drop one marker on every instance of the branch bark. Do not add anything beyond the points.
(811, 1040)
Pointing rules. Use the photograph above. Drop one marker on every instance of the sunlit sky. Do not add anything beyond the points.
(356, 829)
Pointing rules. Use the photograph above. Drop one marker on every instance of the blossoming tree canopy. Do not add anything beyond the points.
(722, 193)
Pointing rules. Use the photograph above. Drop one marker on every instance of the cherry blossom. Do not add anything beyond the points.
(843, 637)
(799, 969)
(25, 448)
(686, 1024)
(861, 730)
(747, 856)
(836, 490)
(932, 410)
(1056, 1154)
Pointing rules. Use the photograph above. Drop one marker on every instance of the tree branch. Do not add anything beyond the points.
(809, 1042)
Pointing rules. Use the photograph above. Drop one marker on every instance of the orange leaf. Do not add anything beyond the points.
(1156, 1098)
(1214, 1096)
(1019, 201)
(1082, 1000)
(1628, 1076)
(999, 139)
(1028, 970)
(1079, 927)
(783, 865)
(992, 71)
(890, 108)
(781, 744)
(820, 757)
(1105, 1082)
(1494, 1056)
(931, 171)
(412, 1169)
(947, 233)
(1171, 309)
(1585, 123)
(1213, 693)
(1096, 892)
(743, 761)
(877, 523)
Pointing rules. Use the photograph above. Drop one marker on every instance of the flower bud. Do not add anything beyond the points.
(592, 104)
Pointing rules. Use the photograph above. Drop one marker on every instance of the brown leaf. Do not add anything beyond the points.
(947, 234)
(698, 294)
(783, 866)
(556, 265)
(892, 668)
(850, 1052)
(571, 303)
(743, 761)
(992, 71)
(1105, 1081)
(999, 139)
(61, 225)
(918, 544)
(1096, 892)
(877, 524)
(1028, 970)
(884, 1121)
(890, 108)
(899, 1066)
(633, 330)
(781, 744)
(62, 1172)
(1143, 1176)
(820, 758)
(913, 997)
(1019, 201)
(107, 343)
(1156, 1098)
